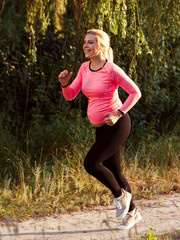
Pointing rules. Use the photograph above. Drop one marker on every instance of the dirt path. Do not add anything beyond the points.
(162, 213)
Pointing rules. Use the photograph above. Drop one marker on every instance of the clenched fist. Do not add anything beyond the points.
(112, 118)
(64, 77)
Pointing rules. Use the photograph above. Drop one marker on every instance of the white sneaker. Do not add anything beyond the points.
(122, 205)
(130, 220)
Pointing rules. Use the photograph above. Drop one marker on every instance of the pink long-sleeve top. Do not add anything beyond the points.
(101, 88)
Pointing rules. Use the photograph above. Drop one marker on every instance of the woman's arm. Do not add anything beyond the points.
(70, 91)
(129, 86)
(120, 77)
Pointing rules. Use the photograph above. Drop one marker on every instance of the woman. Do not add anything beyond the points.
(99, 80)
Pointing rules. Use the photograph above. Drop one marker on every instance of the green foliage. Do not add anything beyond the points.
(150, 235)
(34, 117)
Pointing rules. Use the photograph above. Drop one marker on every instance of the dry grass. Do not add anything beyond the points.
(152, 169)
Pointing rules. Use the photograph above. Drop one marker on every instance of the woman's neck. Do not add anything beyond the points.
(97, 62)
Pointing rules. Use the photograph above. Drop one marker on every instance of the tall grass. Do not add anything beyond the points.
(64, 185)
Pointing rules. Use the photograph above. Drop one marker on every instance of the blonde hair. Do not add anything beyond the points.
(103, 41)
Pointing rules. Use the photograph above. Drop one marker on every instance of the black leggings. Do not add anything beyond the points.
(103, 160)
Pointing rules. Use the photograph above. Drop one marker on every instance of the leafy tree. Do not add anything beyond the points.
(40, 38)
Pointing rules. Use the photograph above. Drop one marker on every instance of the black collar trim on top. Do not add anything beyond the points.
(97, 69)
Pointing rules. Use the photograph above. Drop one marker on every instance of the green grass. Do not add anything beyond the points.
(151, 235)
(48, 189)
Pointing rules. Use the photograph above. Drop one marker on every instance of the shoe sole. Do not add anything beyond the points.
(123, 227)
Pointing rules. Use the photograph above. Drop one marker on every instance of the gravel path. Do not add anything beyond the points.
(161, 213)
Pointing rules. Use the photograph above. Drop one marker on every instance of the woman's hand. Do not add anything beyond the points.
(112, 118)
(64, 77)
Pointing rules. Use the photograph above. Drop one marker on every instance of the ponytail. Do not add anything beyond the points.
(108, 53)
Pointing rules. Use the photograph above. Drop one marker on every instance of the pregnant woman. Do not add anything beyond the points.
(99, 80)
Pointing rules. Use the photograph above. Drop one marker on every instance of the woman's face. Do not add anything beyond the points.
(90, 46)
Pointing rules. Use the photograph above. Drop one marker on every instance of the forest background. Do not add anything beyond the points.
(43, 138)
